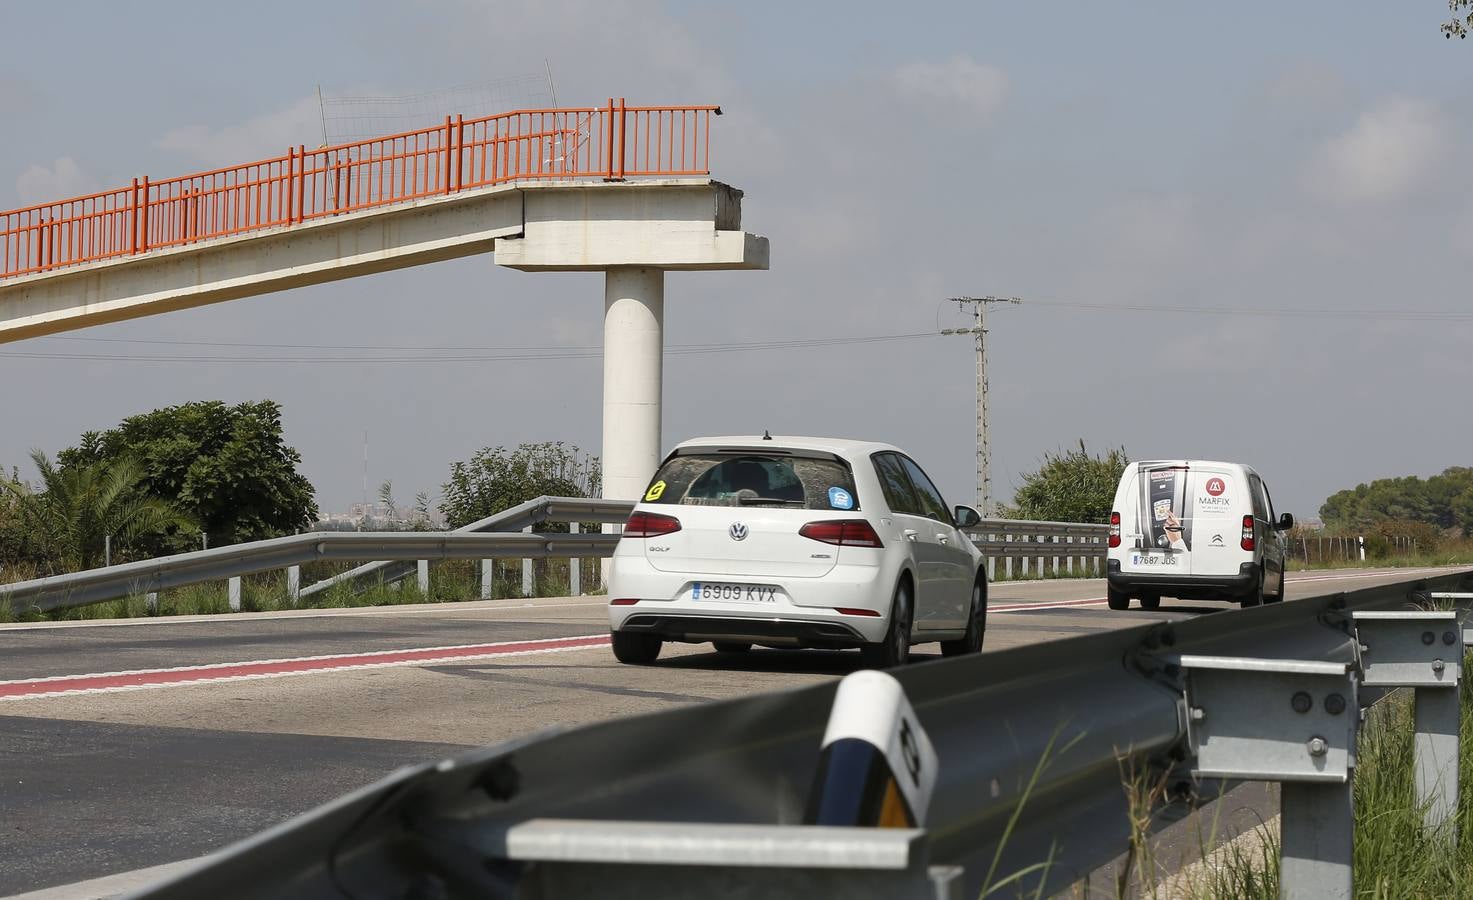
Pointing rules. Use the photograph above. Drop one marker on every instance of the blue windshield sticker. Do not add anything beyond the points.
(840, 498)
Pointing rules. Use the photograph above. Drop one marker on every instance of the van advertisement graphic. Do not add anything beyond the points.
(1166, 519)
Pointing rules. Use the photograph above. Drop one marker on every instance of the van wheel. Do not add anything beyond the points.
(732, 646)
(636, 649)
(1117, 600)
(976, 626)
(1150, 601)
(894, 649)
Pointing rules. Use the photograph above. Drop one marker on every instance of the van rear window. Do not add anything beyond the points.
(727, 479)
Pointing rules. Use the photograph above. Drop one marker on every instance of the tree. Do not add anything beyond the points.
(1461, 21)
(80, 506)
(226, 466)
(1070, 487)
(497, 479)
(1444, 501)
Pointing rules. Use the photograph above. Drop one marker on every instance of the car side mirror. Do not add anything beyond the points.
(966, 517)
(1286, 521)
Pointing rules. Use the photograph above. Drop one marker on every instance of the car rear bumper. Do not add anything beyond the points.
(785, 632)
(1188, 587)
(807, 612)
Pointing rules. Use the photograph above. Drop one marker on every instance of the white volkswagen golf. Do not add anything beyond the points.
(796, 542)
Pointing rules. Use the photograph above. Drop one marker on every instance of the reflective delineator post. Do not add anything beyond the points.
(877, 766)
(1422, 650)
(293, 584)
(1294, 722)
(233, 594)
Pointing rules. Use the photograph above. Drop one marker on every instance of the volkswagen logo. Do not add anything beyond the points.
(738, 531)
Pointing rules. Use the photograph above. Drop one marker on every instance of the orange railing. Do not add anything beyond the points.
(612, 142)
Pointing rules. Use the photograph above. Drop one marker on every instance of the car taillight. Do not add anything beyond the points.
(1247, 542)
(623, 602)
(849, 611)
(646, 525)
(842, 533)
(1114, 529)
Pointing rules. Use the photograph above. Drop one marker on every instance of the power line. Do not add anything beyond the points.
(1283, 313)
(488, 354)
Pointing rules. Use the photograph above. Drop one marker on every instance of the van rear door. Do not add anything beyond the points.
(1220, 497)
(1159, 538)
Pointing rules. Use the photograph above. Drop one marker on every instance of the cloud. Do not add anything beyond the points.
(64, 178)
(1391, 150)
(974, 87)
(268, 134)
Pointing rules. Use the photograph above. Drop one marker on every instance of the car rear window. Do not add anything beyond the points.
(753, 479)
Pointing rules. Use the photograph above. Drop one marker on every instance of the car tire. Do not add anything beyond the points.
(635, 649)
(1150, 601)
(1117, 600)
(732, 646)
(971, 642)
(894, 649)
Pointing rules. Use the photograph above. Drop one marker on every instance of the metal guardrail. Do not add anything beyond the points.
(1038, 747)
(399, 555)
(517, 518)
(1039, 548)
(233, 561)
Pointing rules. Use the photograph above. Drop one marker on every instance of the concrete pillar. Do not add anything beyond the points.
(634, 328)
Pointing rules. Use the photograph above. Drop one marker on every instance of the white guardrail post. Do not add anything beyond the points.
(233, 593)
(575, 566)
(488, 579)
(422, 577)
(1294, 722)
(1422, 650)
(528, 588)
(293, 584)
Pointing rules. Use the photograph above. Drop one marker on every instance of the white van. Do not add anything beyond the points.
(1197, 530)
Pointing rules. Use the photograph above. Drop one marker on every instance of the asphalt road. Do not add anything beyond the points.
(131, 743)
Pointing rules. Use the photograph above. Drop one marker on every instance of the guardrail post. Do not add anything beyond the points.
(575, 565)
(1294, 722)
(528, 588)
(422, 577)
(293, 584)
(233, 593)
(1422, 650)
(488, 578)
(151, 600)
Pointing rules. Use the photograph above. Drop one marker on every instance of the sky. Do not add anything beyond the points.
(1129, 172)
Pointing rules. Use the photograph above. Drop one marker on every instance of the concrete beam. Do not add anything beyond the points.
(262, 262)
(686, 224)
(535, 226)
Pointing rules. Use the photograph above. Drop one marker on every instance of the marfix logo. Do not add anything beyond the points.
(1215, 486)
(738, 531)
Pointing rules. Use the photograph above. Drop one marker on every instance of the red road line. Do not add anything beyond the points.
(1043, 604)
(121, 681)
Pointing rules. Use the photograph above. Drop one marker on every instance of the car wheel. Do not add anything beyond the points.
(1150, 601)
(636, 649)
(1117, 600)
(976, 626)
(732, 646)
(894, 649)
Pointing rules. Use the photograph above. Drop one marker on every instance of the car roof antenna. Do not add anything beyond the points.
(766, 435)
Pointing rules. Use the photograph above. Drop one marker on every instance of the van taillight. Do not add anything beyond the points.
(1247, 542)
(842, 533)
(647, 525)
(1114, 529)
